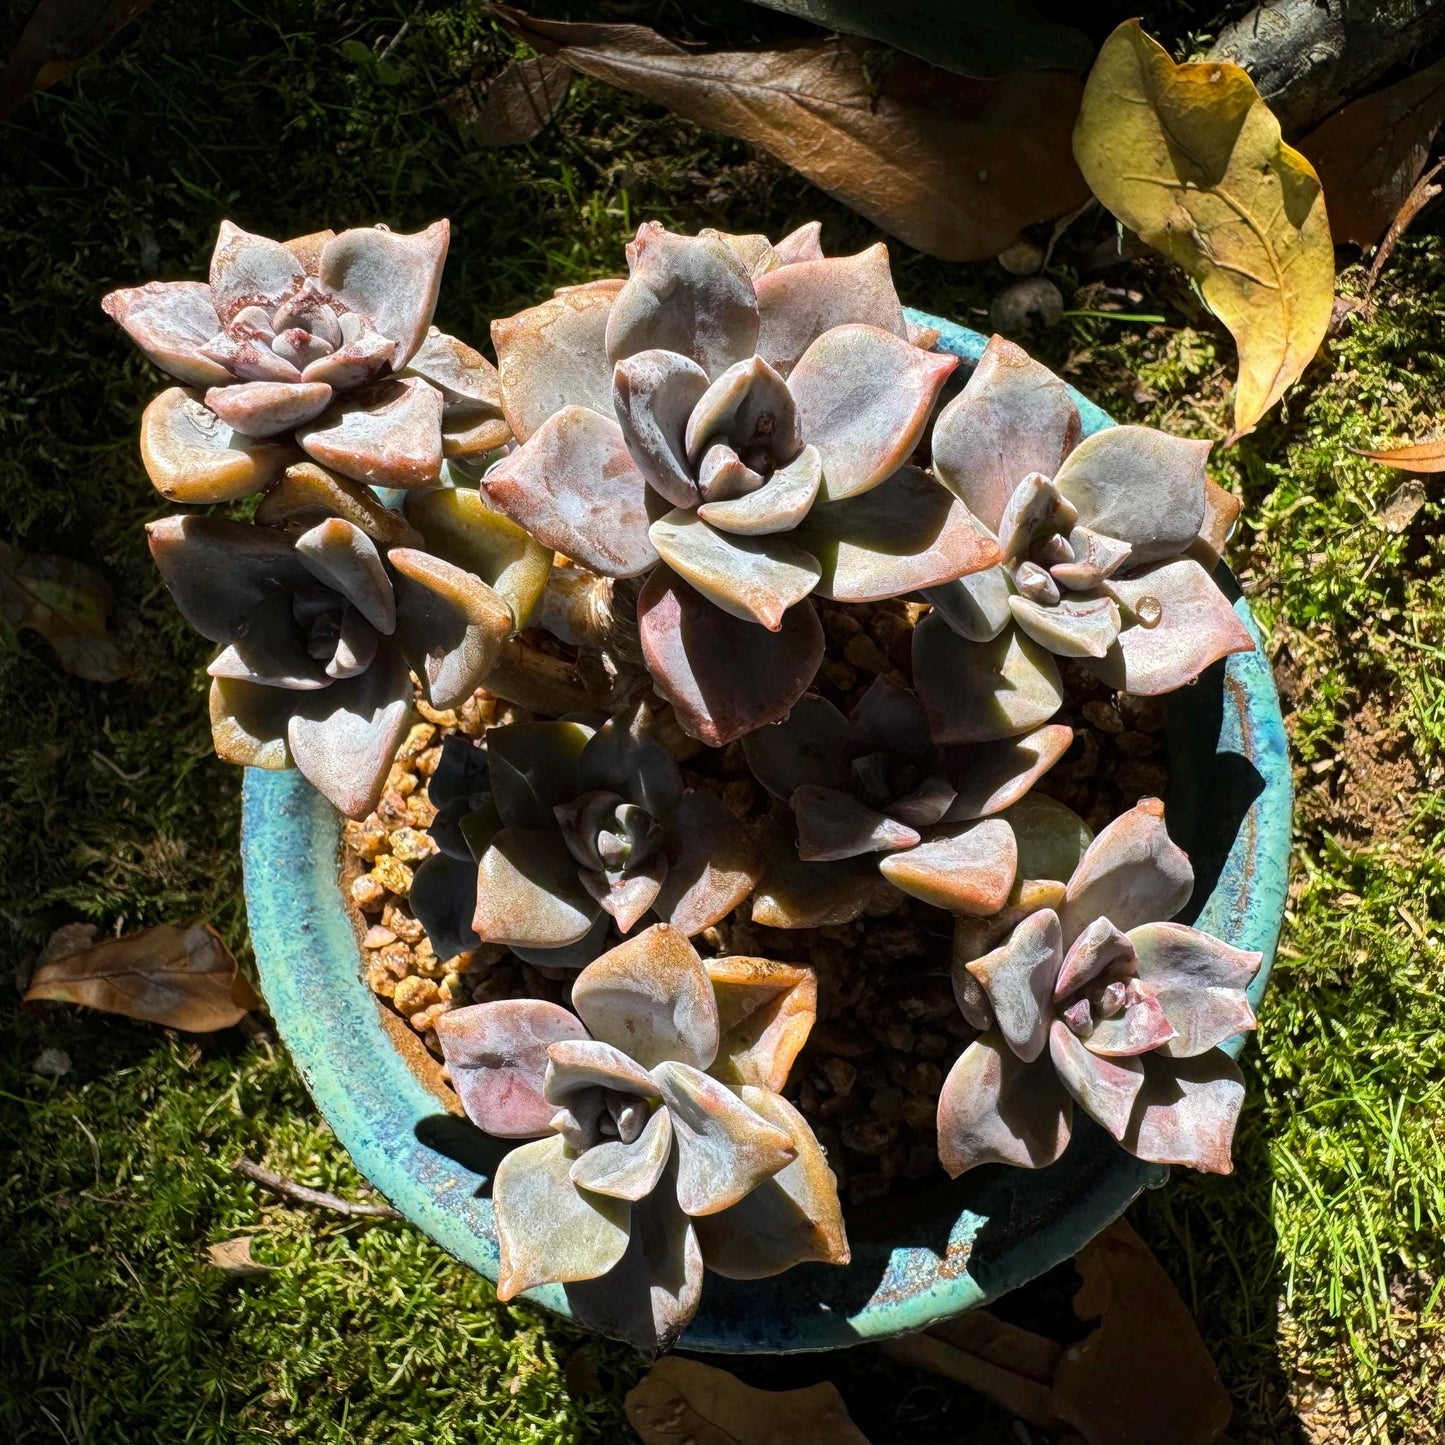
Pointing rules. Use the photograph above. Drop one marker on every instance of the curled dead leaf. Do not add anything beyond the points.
(1191, 158)
(185, 978)
(955, 167)
(234, 1257)
(66, 603)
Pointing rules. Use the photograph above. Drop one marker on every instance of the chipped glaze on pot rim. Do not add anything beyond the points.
(916, 1260)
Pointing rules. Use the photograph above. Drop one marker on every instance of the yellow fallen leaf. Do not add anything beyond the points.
(185, 978)
(1190, 158)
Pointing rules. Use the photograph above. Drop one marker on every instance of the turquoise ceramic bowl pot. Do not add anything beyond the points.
(916, 1260)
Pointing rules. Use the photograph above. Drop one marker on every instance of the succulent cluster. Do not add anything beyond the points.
(742, 428)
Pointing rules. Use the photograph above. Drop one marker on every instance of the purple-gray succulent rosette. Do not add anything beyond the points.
(318, 347)
(1095, 534)
(735, 420)
(660, 1141)
(1097, 1000)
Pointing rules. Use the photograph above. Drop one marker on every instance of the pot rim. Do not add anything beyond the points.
(916, 1261)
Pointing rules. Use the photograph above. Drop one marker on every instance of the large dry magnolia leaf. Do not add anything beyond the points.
(1191, 158)
(514, 106)
(1370, 154)
(66, 603)
(952, 166)
(184, 978)
(679, 1401)
(59, 34)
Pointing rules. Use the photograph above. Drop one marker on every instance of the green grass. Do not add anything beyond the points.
(1318, 1266)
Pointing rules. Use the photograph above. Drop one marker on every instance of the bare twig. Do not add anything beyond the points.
(1424, 192)
(289, 1189)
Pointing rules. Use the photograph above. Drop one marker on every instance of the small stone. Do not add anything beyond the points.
(392, 874)
(839, 626)
(869, 1135)
(1102, 715)
(392, 808)
(864, 1188)
(421, 736)
(52, 1063)
(407, 784)
(887, 1104)
(865, 654)
(807, 1097)
(411, 845)
(426, 763)
(378, 936)
(395, 917)
(447, 720)
(1139, 745)
(837, 676)
(838, 1040)
(367, 893)
(1026, 307)
(397, 959)
(925, 1078)
(739, 796)
(920, 1112)
(366, 839)
(414, 994)
(900, 1036)
(931, 1045)
(1142, 780)
(841, 1075)
(1145, 713)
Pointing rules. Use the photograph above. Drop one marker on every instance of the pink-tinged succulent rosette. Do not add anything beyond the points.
(1095, 999)
(661, 1143)
(1099, 539)
(322, 345)
(735, 419)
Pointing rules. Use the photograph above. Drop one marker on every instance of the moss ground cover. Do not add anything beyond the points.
(1316, 1273)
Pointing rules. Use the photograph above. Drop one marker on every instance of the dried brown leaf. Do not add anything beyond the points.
(58, 34)
(234, 1257)
(1144, 1374)
(1370, 154)
(66, 603)
(955, 167)
(679, 1401)
(1423, 457)
(515, 105)
(185, 978)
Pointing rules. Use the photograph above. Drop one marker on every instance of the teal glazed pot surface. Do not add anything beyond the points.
(916, 1260)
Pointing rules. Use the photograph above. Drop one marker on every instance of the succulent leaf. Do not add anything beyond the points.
(390, 438)
(833, 824)
(766, 1011)
(191, 455)
(268, 408)
(628, 897)
(864, 397)
(654, 393)
(975, 606)
(627, 1171)
(170, 321)
(576, 1063)
(806, 748)
(346, 560)
(1071, 627)
(534, 769)
(777, 506)
(990, 777)
(794, 894)
(528, 892)
(575, 487)
(248, 724)
(308, 493)
(624, 755)
(1200, 984)
(1104, 1088)
(713, 865)
(963, 867)
(443, 898)
(249, 270)
(1186, 1112)
(1018, 978)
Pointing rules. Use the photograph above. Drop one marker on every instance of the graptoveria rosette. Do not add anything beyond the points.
(661, 1142)
(1094, 535)
(323, 343)
(1102, 1002)
(736, 420)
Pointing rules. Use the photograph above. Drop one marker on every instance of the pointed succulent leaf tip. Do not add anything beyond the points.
(344, 737)
(496, 1056)
(392, 280)
(654, 393)
(996, 1109)
(978, 692)
(346, 560)
(724, 1148)
(1099, 947)
(528, 893)
(1177, 622)
(834, 825)
(460, 528)
(688, 294)
(765, 1012)
(1036, 509)
(575, 1063)
(990, 777)
(976, 606)
(555, 355)
(1095, 557)
(748, 406)
(249, 270)
(170, 321)
(651, 998)
(805, 748)
(575, 487)
(627, 1171)
(392, 439)
(794, 894)
(629, 897)
(268, 408)
(755, 251)
(799, 303)
(625, 756)
(1139, 486)
(1200, 984)
(1073, 627)
(756, 579)
(443, 900)
(548, 1230)
(1104, 1088)
(792, 1218)
(450, 624)
(1132, 873)
(1013, 417)
(723, 676)
(534, 768)
(248, 724)
(964, 867)
(905, 534)
(1187, 1111)
(713, 864)
(1221, 512)
(1018, 978)
(778, 506)
(191, 455)
(864, 398)
(465, 378)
